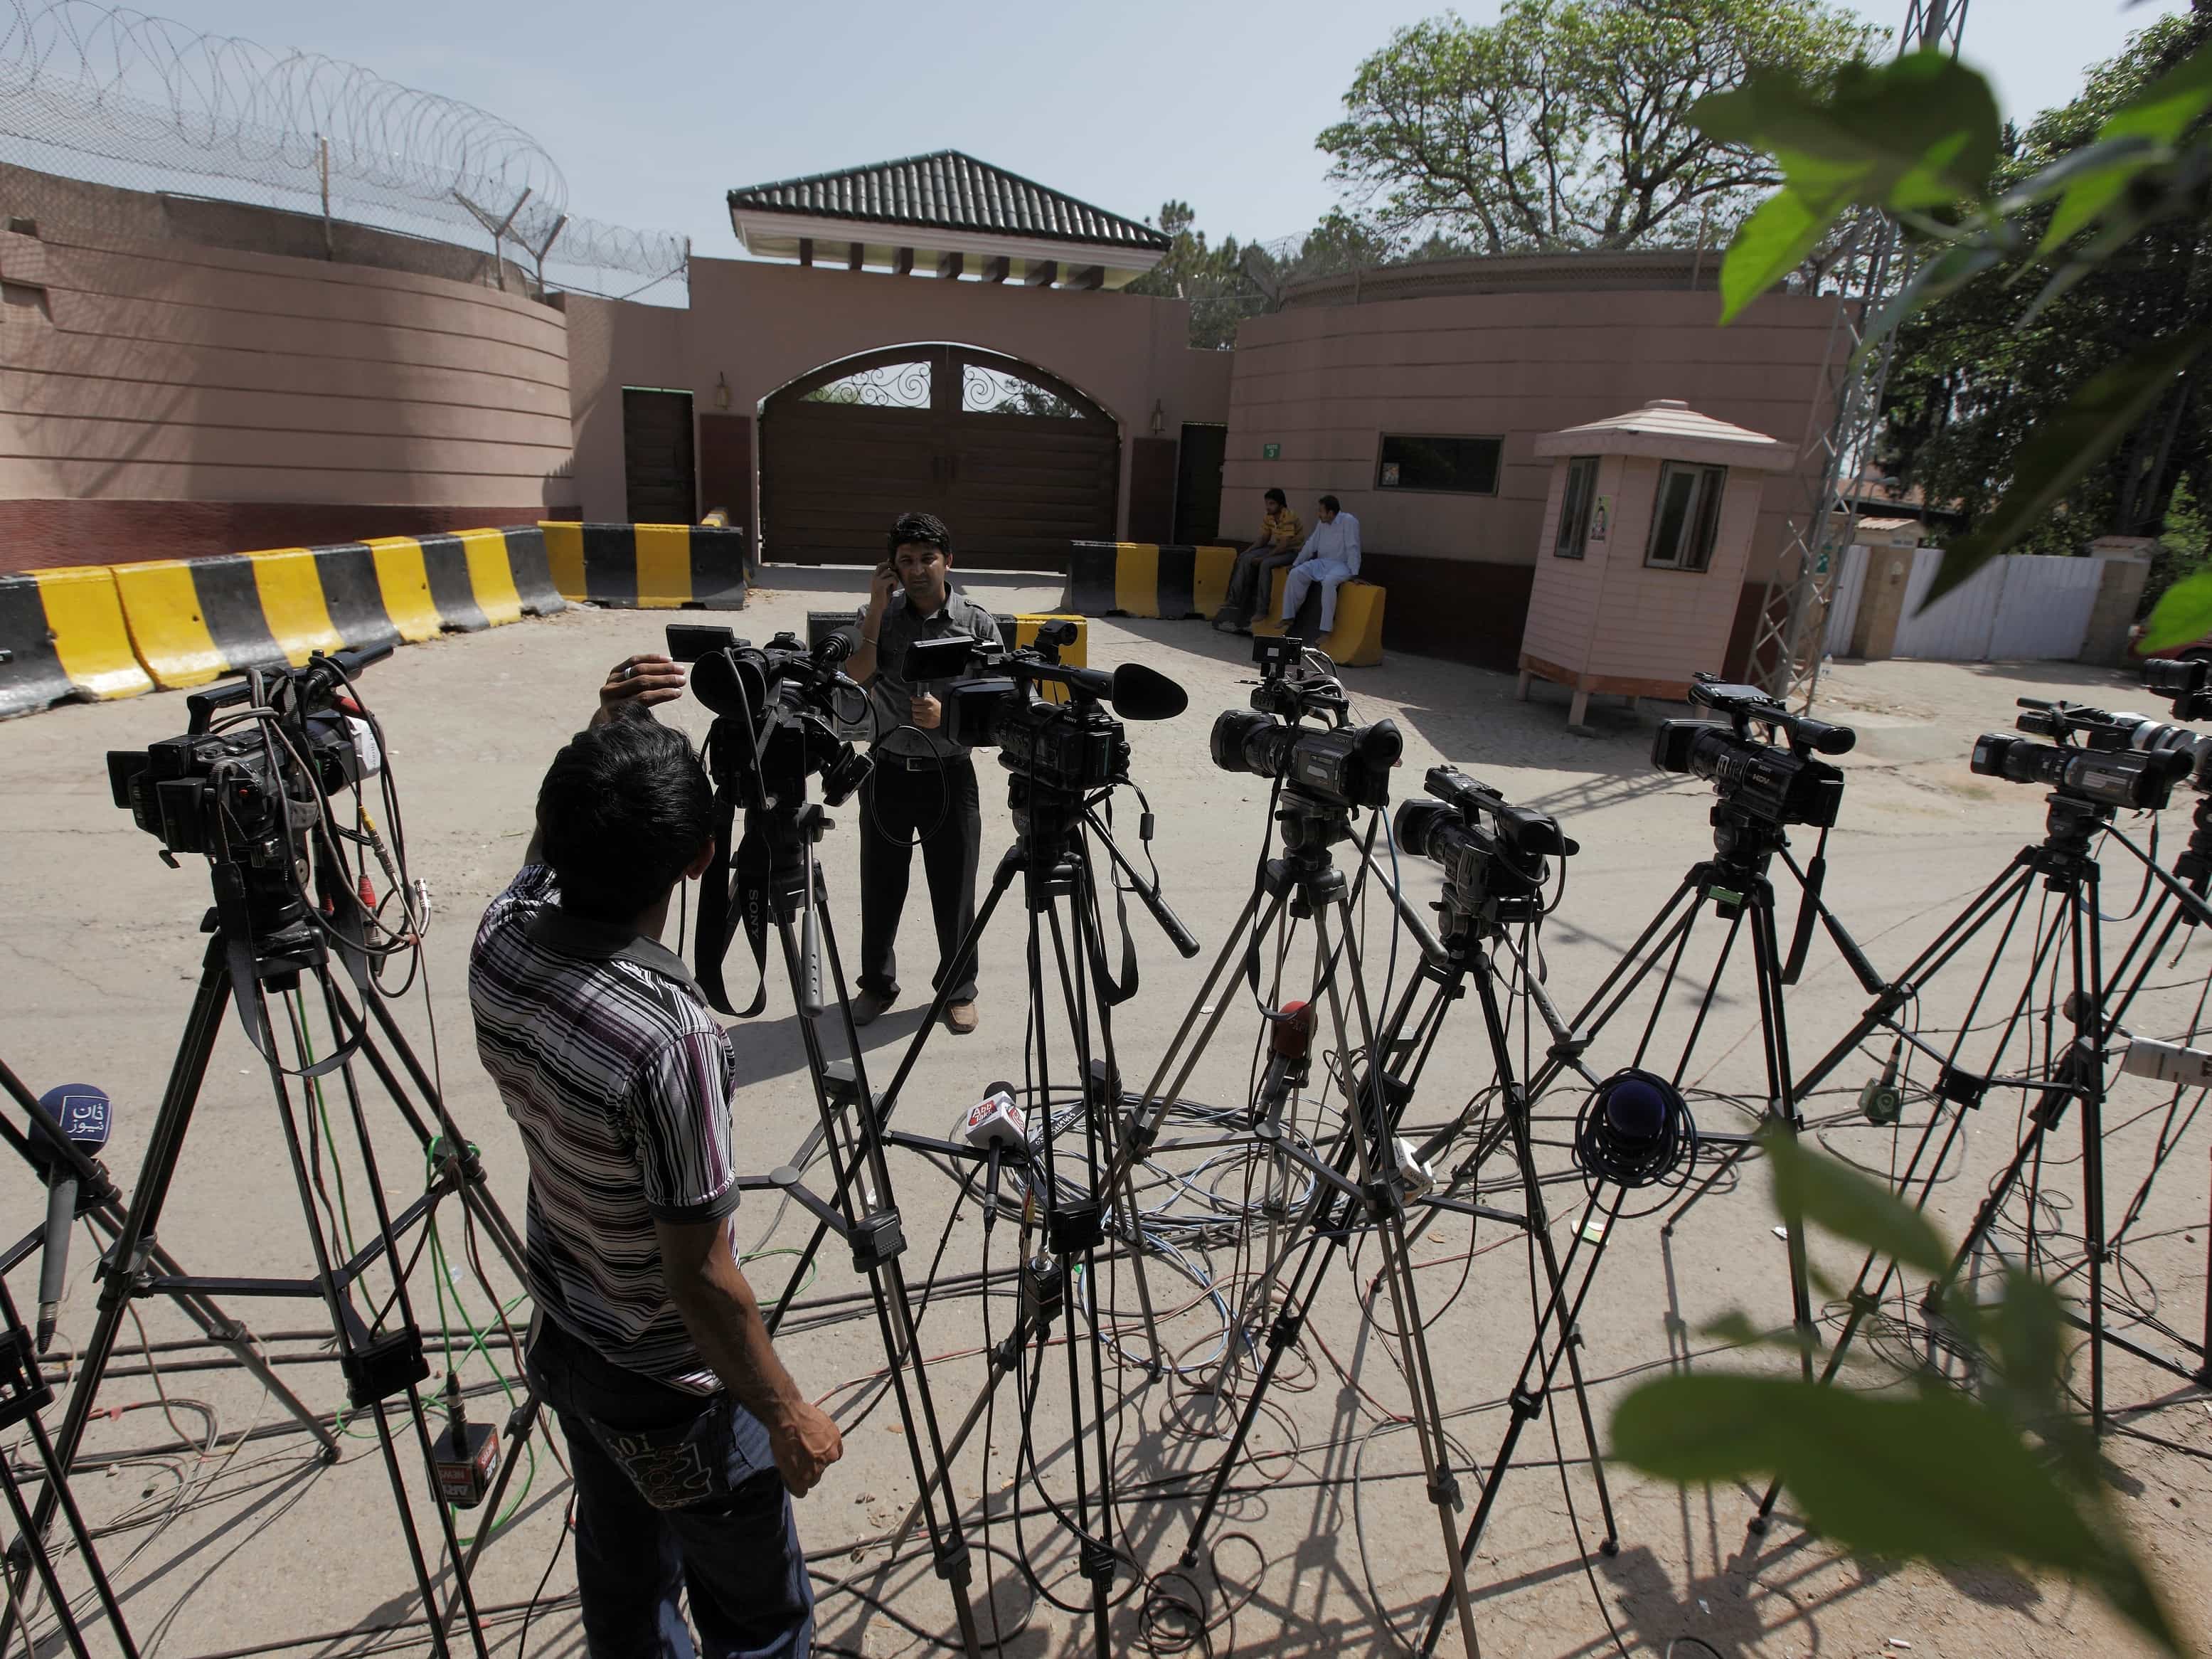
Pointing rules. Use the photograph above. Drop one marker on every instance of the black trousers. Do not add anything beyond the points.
(1249, 582)
(937, 806)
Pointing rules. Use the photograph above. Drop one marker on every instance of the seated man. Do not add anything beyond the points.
(1330, 557)
(1248, 583)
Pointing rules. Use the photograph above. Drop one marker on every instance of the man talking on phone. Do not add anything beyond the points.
(922, 792)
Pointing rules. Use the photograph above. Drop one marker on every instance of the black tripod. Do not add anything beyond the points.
(24, 1394)
(1364, 1184)
(1734, 885)
(1067, 1205)
(2172, 911)
(2065, 944)
(784, 829)
(251, 953)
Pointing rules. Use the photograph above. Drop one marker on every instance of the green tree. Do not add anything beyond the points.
(1979, 370)
(1565, 123)
(1212, 276)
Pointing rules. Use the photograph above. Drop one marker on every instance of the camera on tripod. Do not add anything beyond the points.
(245, 797)
(2093, 757)
(782, 698)
(1494, 855)
(2186, 680)
(994, 702)
(1775, 781)
(1342, 766)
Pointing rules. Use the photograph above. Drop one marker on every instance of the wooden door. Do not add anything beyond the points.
(657, 463)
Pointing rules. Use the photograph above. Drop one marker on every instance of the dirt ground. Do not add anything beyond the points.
(225, 1533)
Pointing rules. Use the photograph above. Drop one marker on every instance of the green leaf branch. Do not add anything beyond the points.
(1911, 1468)
(1919, 138)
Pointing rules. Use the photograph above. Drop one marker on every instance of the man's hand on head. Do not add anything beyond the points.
(643, 680)
(885, 584)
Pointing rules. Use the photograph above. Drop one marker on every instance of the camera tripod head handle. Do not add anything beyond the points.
(1746, 706)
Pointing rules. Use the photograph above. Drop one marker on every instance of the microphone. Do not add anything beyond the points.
(2167, 1062)
(1144, 694)
(1290, 1041)
(85, 1118)
(1138, 693)
(994, 1123)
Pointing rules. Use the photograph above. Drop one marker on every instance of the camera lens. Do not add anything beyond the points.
(1244, 741)
(1416, 826)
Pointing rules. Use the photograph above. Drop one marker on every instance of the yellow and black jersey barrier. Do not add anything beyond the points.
(1146, 578)
(192, 620)
(96, 631)
(62, 636)
(650, 566)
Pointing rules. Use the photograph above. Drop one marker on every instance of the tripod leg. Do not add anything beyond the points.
(864, 1169)
(44, 1567)
(462, 1592)
(1540, 1229)
(1378, 1171)
(1634, 965)
(337, 1301)
(2089, 1029)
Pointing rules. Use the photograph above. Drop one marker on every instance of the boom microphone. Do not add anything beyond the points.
(1138, 693)
(83, 1112)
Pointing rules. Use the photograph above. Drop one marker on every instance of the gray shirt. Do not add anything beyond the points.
(890, 697)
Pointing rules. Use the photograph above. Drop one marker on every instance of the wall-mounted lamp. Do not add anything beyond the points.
(721, 391)
(1159, 419)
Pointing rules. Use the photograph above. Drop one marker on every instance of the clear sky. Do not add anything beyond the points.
(654, 109)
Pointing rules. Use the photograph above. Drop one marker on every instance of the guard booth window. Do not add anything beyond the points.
(1455, 466)
(1687, 516)
(1575, 509)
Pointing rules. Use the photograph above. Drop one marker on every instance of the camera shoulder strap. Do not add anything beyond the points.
(752, 868)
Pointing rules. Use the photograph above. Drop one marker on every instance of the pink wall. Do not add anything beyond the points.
(1326, 382)
(759, 326)
(157, 371)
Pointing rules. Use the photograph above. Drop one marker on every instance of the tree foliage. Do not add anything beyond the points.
(1975, 374)
(1212, 276)
(1566, 123)
(1919, 139)
(1900, 1462)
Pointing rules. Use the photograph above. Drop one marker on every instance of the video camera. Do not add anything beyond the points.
(2110, 760)
(1345, 766)
(774, 706)
(2186, 680)
(1493, 854)
(247, 796)
(1073, 747)
(1765, 781)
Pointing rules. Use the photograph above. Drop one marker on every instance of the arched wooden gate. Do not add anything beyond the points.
(1016, 462)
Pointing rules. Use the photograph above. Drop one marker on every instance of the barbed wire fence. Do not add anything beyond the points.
(107, 95)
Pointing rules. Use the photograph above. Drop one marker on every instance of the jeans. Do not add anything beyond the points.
(1249, 581)
(1330, 574)
(674, 1493)
(939, 805)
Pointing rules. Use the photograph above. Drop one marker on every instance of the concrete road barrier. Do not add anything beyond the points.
(63, 638)
(649, 567)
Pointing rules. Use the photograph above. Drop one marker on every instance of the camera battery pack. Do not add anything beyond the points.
(466, 1456)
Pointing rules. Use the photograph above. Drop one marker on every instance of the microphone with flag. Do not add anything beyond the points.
(992, 1124)
(85, 1117)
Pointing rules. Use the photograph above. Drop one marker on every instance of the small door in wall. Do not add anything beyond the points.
(1198, 482)
(658, 479)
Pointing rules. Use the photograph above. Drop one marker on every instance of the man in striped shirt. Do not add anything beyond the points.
(686, 1436)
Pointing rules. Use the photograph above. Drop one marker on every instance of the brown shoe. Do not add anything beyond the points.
(868, 1008)
(960, 1018)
